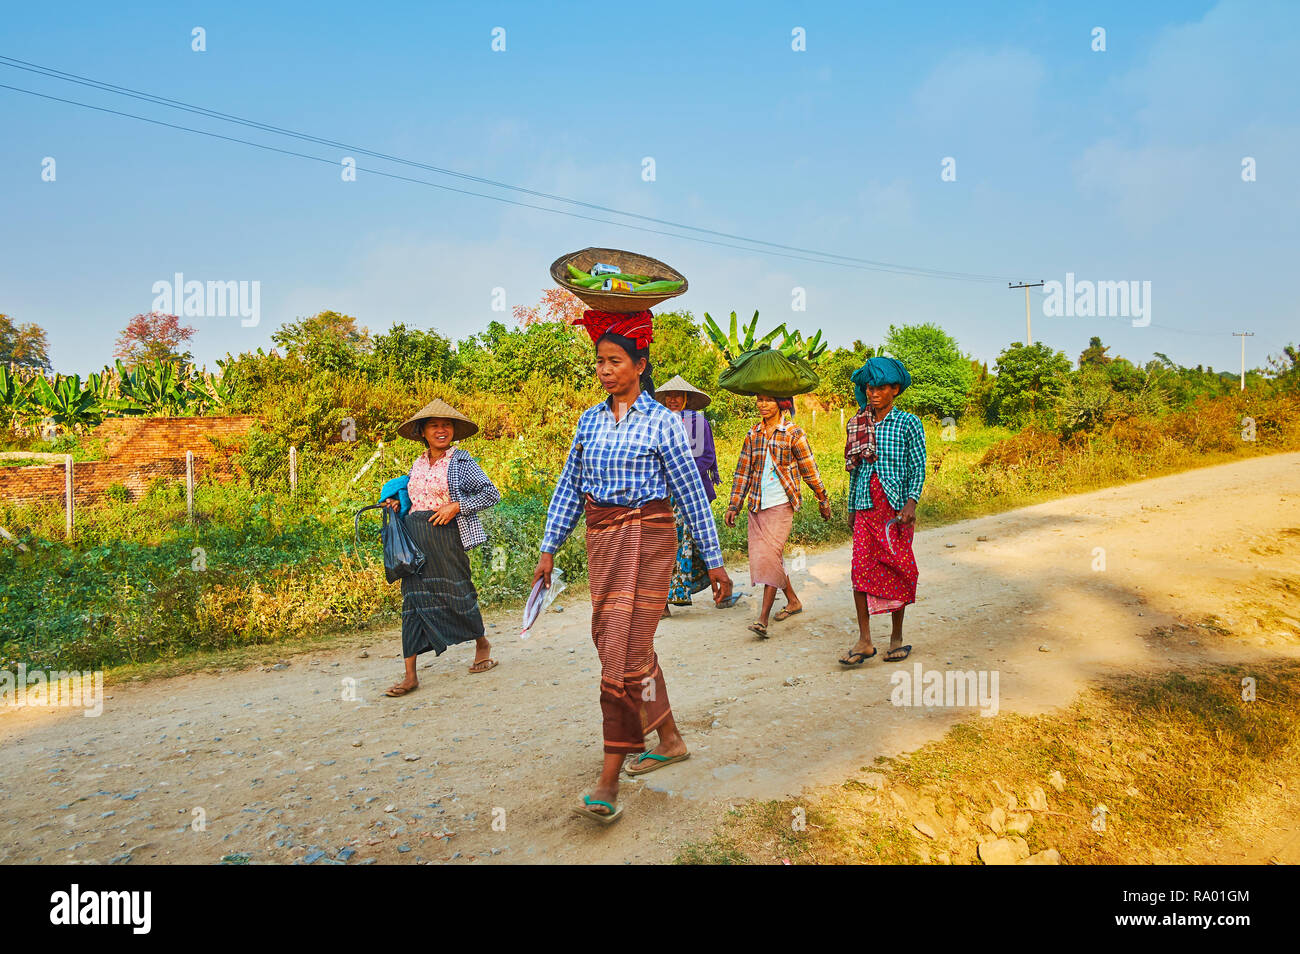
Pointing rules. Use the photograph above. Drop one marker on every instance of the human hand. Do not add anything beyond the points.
(721, 583)
(545, 564)
(907, 516)
(825, 507)
(729, 518)
(392, 503)
(445, 514)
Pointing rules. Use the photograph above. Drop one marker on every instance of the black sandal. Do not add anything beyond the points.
(862, 658)
(905, 650)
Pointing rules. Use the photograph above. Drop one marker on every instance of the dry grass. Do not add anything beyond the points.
(1175, 759)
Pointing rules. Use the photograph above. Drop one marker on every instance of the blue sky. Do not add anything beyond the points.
(1118, 165)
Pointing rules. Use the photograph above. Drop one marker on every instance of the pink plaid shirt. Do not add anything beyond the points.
(428, 484)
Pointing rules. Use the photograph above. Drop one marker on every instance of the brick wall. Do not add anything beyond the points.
(137, 452)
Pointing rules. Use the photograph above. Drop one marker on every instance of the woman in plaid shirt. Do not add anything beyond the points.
(775, 455)
(885, 457)
(628, 455)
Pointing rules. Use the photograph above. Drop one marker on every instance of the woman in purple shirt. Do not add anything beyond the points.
(690, 575)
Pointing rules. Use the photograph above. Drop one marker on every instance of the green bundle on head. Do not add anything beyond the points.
(758, 368)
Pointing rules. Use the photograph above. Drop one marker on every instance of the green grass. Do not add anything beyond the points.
(280, 568)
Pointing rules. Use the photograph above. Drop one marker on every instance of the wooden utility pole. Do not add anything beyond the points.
(1243, 335)
(1029, 333)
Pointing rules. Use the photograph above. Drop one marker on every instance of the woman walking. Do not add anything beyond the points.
(447, 490)
(885, 457)
(775, 455)
(628, 455)
(690, 575)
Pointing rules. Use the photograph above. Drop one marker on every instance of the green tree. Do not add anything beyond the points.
(1094, 354)
(406, 352)
(941, 374)
(680, 348)
(835, 368)
(1028, 378)
(500, 359)
(327, 340)
(23, 345)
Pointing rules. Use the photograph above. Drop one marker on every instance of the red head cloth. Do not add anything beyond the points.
(637, 326)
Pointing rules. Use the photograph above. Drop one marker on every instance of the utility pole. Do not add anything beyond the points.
(1029, 334)
(1243, 335)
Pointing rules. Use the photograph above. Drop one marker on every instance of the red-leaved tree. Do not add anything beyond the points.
(556, 305)
(152, 336)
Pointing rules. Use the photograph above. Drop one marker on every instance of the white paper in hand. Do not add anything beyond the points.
(540, 598)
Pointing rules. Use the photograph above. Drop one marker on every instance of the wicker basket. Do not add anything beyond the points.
(620, 303)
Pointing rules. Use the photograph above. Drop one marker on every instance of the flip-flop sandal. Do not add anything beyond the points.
(486, 664)
(396, 692)
(654, 762)
(905, 650)
(862, 658)
(759, 629)
(729, 602)
(605, 818)
(787, 613)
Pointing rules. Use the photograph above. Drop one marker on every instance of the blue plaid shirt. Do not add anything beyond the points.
(631, 462)
(900, 462)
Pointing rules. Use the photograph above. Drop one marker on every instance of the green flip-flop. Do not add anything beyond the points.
(605, 818)
(653, 762)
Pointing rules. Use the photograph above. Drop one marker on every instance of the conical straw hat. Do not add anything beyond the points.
(462, 429)
(696, 400)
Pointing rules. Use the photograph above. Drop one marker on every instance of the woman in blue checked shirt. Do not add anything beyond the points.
(885, 456)
(628, 454)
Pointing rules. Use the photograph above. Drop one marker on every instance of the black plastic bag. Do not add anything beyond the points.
(401, 556)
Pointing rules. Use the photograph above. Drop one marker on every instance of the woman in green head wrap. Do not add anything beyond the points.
(885, 456)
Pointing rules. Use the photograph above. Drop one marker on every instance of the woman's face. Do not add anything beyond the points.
(767, 406)
(438, 432)
(615, 369)
(881, 395)
(675, 401)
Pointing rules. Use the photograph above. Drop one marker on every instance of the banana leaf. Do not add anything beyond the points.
(766, 371)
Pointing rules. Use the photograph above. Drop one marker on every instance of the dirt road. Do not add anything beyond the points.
(282, 768)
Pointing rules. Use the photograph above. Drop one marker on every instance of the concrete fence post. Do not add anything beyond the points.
(189, 486)
(67, 492)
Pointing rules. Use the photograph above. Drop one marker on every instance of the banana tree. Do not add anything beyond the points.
(156, 388)
(66, 401)
(732, 345)
(15, 396)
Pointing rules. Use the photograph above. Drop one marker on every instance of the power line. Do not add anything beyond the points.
(815, 255)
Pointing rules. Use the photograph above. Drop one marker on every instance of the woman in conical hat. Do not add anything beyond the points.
(629, 453)
(690, 575)
(446, 490)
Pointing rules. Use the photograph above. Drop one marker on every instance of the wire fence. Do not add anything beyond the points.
(88, 503)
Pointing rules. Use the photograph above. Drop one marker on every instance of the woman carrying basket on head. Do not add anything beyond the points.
(688, 402)
(447, 490)
(628, 455)
(776, 453)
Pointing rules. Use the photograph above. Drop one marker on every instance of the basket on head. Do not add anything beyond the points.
(696, 400)
(619, 303)
(462, 428)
